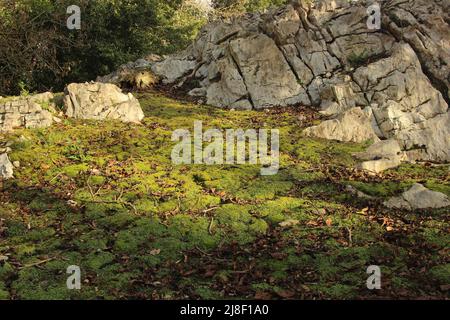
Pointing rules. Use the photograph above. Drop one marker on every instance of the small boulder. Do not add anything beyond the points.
(418, 197)
(377, 166)
(99, 101)
(6, 167)
(357, 193)
(381, 156)
(386, 149)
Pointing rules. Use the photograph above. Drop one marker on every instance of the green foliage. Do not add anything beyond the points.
(235, 7)
(357, 59)
(38, 52)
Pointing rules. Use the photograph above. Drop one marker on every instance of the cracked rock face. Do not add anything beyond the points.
(322, 54)
(98, 101)
(419, 197)
(27, 112)
(352, 125)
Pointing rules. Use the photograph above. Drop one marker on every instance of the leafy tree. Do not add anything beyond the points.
(40, 53)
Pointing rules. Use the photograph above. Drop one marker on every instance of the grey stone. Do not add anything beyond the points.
(357, 193)
(99, 101)
(6, 167)
(351, 126)
(27, 112)
(419, 197)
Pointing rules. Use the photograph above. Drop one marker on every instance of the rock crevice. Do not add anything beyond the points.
(322, 54)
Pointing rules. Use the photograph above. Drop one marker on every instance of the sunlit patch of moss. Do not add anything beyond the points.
(195, 231)
(74, 170)
(132, 214)
(147, 206)
(438, 186)
(97, 180)
(198, 201)
(281, 209)
(238, 224)
(264, 188)
(25, 249)
(229, 178)
(316, 151)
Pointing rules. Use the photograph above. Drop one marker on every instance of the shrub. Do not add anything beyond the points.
(39, 52)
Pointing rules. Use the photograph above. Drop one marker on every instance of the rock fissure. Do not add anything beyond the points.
(390, 83)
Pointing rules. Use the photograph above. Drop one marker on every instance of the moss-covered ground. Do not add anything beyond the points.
(106, 197)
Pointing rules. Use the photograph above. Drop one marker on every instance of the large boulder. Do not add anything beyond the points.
(418, 197)
(100, 101)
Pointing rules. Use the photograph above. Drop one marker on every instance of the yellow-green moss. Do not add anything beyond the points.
(106, 196)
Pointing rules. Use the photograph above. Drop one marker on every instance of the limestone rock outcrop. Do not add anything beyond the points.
(99, 101)
(35, 111)
(323, 54)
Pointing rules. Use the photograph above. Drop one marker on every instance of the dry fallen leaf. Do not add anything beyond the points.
(289, 223)
(155, 252)
(286, 294)
(363, 211)
(263, 295)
